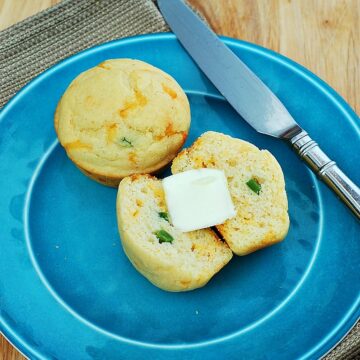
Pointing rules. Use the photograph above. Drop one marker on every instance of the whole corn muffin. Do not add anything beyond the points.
(122, 117)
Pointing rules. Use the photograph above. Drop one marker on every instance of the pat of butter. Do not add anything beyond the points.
(198, 199)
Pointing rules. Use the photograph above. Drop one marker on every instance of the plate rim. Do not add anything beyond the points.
(331, 340)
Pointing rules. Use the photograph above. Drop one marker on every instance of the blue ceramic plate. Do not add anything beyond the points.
(69, 292)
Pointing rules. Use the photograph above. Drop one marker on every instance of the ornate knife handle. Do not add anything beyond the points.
(327, 170)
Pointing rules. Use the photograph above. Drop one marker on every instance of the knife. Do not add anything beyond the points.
(251, 98)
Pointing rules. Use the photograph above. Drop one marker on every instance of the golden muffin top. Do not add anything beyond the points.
(122, 117)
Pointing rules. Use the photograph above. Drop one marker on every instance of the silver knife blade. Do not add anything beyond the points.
(249, 96)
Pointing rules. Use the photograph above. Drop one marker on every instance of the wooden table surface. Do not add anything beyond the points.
(322, 35)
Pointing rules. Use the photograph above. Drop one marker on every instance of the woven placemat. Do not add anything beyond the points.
(35, 44)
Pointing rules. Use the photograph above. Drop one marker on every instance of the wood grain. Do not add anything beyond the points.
(13, 11)
(322, 35)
